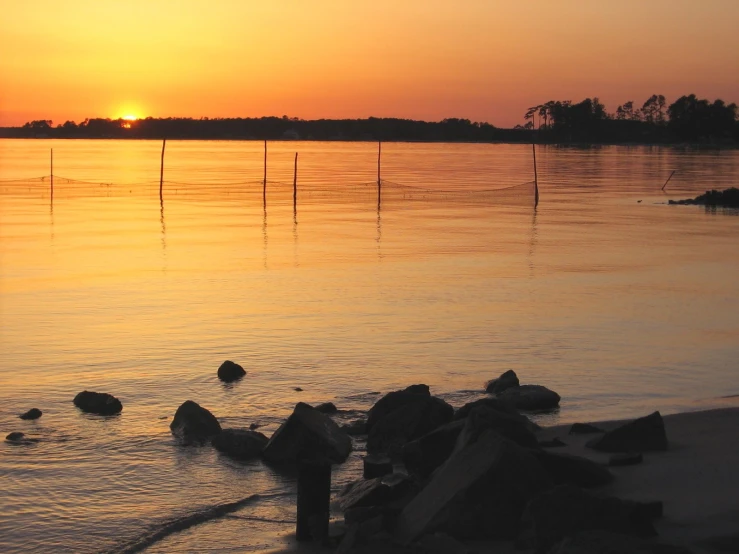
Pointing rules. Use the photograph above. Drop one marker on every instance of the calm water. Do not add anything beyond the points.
(621, 306)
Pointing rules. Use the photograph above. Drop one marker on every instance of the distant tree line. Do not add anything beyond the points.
(276, 128)
(688, 119)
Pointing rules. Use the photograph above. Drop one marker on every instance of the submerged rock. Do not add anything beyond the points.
(33, 413)
(192, 422)
(100, 403)
(480, 492)
(507, 380)
(241, 444)
(308, 435)
(530, 397)
(641, 435)
(230, 371)
(16, 437)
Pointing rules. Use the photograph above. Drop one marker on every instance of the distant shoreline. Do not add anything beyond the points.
(683, 145)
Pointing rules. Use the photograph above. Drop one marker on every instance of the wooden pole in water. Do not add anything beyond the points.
(161, 169)
(536, 178)
(379, 155)
(264, 183)
(668, 179)
(295, 184)
(52, 171)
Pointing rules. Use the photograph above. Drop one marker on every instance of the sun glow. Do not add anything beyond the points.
(130, 117)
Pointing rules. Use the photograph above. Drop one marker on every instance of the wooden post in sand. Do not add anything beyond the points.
(314, 494)
(536, 178)
(161, 169)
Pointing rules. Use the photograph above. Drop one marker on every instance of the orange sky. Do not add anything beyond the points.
(486, 60)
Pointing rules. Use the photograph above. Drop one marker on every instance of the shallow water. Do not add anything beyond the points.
(621, 306)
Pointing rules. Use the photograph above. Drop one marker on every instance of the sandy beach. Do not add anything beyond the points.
(695, 479)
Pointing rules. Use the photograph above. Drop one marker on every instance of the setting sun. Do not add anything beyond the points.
(130, 117)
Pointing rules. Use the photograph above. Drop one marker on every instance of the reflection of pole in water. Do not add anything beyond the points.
(532, 243)
(379, 230)
(536, 179)
(164, 227)
(264, 234)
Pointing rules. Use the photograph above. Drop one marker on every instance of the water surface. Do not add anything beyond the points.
(604, 293)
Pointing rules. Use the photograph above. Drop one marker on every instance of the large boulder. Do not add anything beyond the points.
(376, 492)
(606, 542)
(480, 492)
(423, 455)
(394, 400)
(230, 371)
(507, 380)
(308, 435)
(241, 444)
(574, 470)
(512, 427)
(530, 397)
(499, 405)
(193, 423)
(409, 422)
(33, 413)
(641, 435)
(100, 403)
(567, 509)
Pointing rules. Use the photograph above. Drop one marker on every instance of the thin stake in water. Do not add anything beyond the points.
(536, 178)
(668, 179)
(295, 184)
(52, 172)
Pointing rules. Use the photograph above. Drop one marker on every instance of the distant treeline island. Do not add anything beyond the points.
(687, 120)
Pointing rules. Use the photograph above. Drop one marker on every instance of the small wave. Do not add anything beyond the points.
(184, 522)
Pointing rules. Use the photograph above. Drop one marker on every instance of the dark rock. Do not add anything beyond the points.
(230, 371)
(728, 198)
(484, 418)
(308, 435)
(376, 492)
(480, 492)
(625, 459)
(356, 427)
(327, 408)
(253, 426)
(16, 438)
(498, 405)
(394, 400)
(423, 455)
(33, 413)
(409, 422)
(567, 509)
(100, 403)
(584, 429)
(606, 542)
(641, 435)
(194, 423)
(241, 444)
(440, 543)
(573, 470)
(298, 389)
(530, 397)
(376, 466)
(552, 443)
(505, 381)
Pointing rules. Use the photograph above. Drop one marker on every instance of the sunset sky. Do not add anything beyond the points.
(486, 60)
